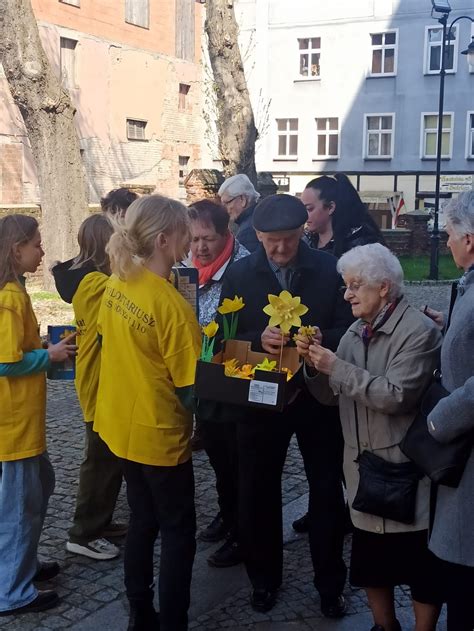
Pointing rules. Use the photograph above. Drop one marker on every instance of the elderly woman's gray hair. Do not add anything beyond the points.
(239, 185)
(459, 213)
(373, 264)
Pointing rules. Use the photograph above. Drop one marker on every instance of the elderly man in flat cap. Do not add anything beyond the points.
(239, 198)
(283, 261)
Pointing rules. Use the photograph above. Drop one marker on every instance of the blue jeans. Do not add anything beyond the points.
(25, 488)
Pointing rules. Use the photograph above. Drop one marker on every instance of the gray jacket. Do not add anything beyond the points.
(452, 538)
(386, 389)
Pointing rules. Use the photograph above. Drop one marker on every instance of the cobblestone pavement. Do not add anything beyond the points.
(87, 586)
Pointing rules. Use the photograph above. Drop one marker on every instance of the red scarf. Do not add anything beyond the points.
(206, 272)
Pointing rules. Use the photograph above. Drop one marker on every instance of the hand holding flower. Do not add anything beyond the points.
(272, 340)
(321, 358)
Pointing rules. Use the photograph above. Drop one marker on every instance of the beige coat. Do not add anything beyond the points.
(387, 388)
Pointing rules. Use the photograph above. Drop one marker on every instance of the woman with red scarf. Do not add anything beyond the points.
(213, 250)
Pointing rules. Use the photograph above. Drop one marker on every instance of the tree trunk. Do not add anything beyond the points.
(48, 115)
(235, 121)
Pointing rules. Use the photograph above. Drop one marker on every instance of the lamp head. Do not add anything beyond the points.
(441, 6)
(470, 53)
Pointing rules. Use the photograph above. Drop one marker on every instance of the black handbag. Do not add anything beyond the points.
(443, 463)
(386, 489)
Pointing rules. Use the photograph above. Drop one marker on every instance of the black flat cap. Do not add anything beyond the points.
(277, 213)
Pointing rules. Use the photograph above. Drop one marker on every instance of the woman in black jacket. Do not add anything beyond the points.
(338, 220)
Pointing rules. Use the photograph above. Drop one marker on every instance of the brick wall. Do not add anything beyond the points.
(11, 173)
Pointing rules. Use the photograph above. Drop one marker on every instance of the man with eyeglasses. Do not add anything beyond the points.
(284, 261)
(239, 198)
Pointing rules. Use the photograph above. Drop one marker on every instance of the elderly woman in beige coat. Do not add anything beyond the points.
(378, 376)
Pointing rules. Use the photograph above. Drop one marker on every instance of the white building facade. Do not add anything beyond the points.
(353, 86)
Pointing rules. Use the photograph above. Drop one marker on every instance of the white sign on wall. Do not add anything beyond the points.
(456, 183)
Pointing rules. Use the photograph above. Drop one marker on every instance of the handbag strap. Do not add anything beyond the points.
(356, 416)
(452, 300)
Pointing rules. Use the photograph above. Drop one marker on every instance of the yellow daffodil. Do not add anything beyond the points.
(211, 329)
(285, 310)
(247, 371)
(231, 306)
(289, 373)
(305, 332)
(266, 365)
(231, 368)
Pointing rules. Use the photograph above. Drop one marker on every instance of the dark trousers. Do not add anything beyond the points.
(262, 446)
(458, 585)
(100, 479)
(220, 443)
(161, 500)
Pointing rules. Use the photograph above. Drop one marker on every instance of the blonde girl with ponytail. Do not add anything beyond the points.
(150, 344)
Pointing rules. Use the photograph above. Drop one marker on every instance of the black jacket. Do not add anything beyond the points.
(358, 235)
(315, 280)
(67, 280)
(246, 234)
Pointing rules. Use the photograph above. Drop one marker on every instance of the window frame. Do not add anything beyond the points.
(365, 150)
(286, 157)
(183, 96)
(383, 47)
(428, 47)
(129, 21)
(136, 120)
(423, 132)
(182, 178)
(65, 82)
(326, 133)
(309, 52)
(470, 135)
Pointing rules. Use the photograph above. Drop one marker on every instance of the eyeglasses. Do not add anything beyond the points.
(352, 287)
(229, 201)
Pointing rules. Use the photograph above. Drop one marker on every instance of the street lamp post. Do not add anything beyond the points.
(442, 7)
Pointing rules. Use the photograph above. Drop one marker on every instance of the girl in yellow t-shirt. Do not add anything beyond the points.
(26, 474)
(82, 281)
(150, 344)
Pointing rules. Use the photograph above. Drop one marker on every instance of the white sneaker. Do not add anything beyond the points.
(100, 549)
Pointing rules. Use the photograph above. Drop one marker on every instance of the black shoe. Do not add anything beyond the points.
(215, 531)
(378, 627)
(45, 600)
(47, 571)
(333, 607)
(227, 555)
(143, 618)
(302, 524)
(263, 600)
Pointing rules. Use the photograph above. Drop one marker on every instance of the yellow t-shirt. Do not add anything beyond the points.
(150, 344)
(22, 398)
(86, 304)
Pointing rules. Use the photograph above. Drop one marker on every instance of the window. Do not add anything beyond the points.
(183, 92)
(74, 3)
(384, 53)
(470, 136)
(185, 23)
(136, 129)
(430, 135)
(379, 136)
(67, 60)
(327, 138)
(433, 43)
(310, 57)
(183, 169)
(287, 137)
(137, 12)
